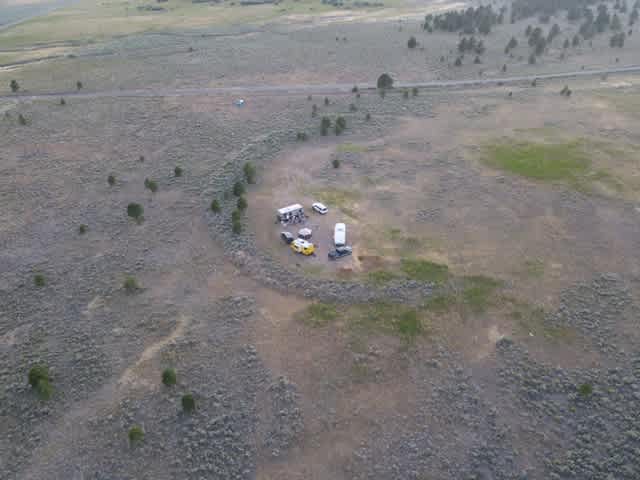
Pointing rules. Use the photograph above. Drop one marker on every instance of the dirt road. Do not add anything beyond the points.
(319, 89)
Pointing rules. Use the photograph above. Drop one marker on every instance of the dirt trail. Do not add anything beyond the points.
(317, 89)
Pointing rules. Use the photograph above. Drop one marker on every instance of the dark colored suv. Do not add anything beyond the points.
(339, 252)
(287, 237)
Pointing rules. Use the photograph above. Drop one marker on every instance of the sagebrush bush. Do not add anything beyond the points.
(242, 203)
(585, 390)
(40, 381)
(336, 163)
(82, 229)
(169, 377)
(111, 180)
(177, 171)
(215, 206)
(236, 227)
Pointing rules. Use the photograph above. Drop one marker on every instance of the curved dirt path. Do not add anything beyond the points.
(337, 88)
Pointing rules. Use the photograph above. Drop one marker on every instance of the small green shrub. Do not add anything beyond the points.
(336, 163)
(136, 434)
(188, 403)
(82, 229)
(14, 86)
(249, 173)
(236, 227)
(354, 89)
(341, 125)
(40, 381)
(130, 284)
(62, 102)
(301, 136)
(414, 91)
(412, 43)
(151, 185)
(242, 203)
(79, 85)
(39, 280)
(325, 124)
(235, 215)
(37, 373)
(111, 180)
(135, 211)
(169, 377)
(21, 120)
(215, 206)
(585, 390)
(177, 171)
(238, 189)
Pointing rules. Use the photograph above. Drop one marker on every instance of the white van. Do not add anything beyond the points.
(340, 235)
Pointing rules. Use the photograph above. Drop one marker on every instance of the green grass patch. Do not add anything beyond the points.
(424, 270)
(318, 314)
(441, 303)
(567, 161)
(478, 292)
(531, 320)
(351, 148)
(380, 277)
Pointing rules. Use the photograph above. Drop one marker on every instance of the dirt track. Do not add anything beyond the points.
(324, 89)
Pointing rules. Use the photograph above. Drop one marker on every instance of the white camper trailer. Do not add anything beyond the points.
(340, 235)
(290, 214)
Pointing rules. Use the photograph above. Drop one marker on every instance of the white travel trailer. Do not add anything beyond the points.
(340, 235)
(290, 214)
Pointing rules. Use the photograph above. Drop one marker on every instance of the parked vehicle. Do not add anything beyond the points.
(319, 208)
(340, 235)
(339, 252)
(290, 214)
(302, 246)
(287, 237)
(305, 233)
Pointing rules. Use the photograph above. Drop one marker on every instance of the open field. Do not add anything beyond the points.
(485, 327)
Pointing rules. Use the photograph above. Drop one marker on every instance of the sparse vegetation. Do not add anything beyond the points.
(40, 381)
(238, 189)
(188, 403)
(585, 390)
(215, 206)
(135, 211)
(250, 174)
(21, 119)
(136, 435)
(424, 270)
(79, 85)
(39, 280)
(169, 377)
(130, 285)
(325, 124)
(62, 102)
(177, 171)
(412, 43)
(14, 85)
(340, 125)
(384, 81)
(111, 180)
(242, 203)
(151, 185)
(335, 163)
(82, 229)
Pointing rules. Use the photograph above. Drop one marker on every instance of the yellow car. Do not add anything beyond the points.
(302, 246)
